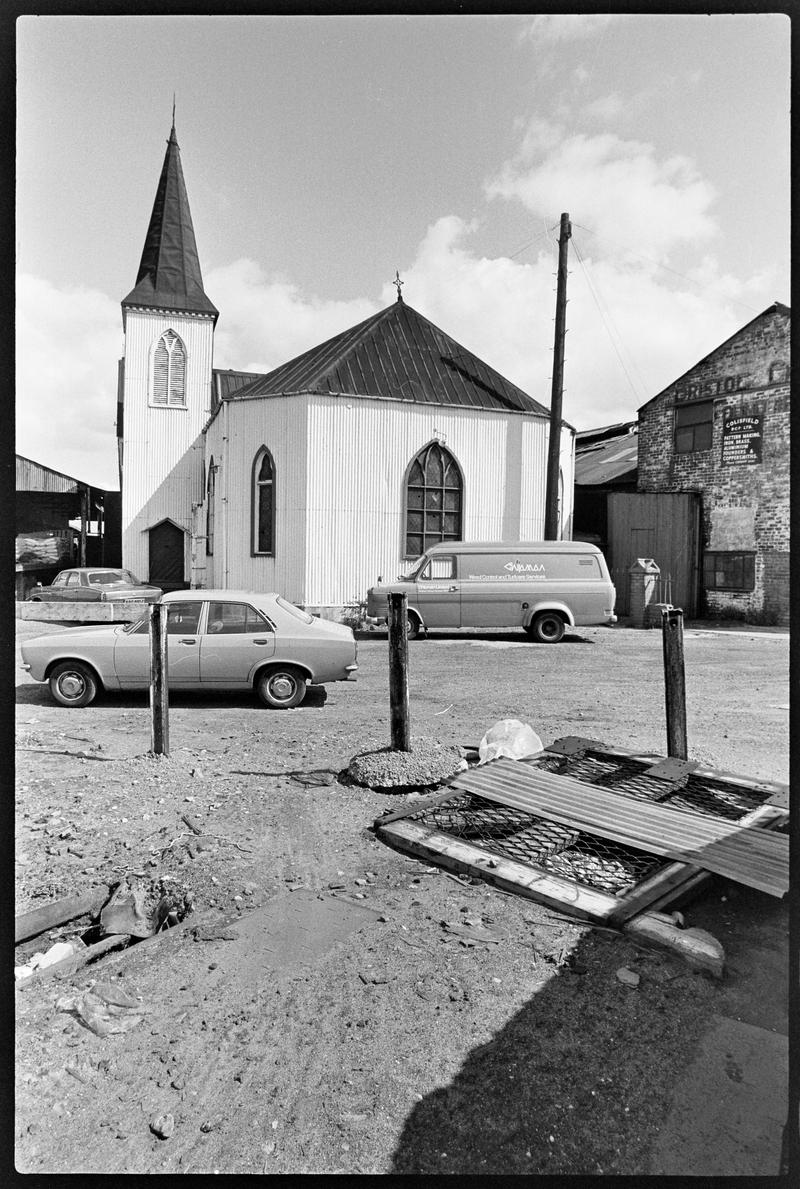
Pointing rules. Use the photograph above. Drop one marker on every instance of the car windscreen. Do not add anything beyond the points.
(297, 612)
(111, 578)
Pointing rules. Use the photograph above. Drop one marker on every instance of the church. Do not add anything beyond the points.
(340, 466)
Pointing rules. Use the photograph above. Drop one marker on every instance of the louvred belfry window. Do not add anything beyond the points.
(434, 498)
(169, 371)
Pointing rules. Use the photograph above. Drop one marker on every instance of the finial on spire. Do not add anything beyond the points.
(173, 111)
(399, 284)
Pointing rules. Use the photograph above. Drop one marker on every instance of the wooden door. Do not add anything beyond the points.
(664, 526)
(167, 556)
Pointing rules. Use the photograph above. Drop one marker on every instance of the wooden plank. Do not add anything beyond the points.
(74, 962)
(748, 855)
(159, 686)
(57, 912)
(696, 947)
(508, 874)
(398, 672)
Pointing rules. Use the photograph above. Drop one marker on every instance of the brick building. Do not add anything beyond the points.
(722, 431)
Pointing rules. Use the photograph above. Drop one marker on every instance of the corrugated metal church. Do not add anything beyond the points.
(341, 465)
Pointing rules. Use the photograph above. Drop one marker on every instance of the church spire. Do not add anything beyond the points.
(169, 274)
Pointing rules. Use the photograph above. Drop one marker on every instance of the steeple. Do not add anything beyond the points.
(169, 274)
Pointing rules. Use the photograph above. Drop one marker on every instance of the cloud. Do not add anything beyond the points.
(67, 346)
(266, 321)
(605, 109)
(568, 27)
(618, 188)
(631, 330)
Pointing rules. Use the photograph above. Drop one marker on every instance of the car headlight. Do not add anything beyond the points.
(103, 597)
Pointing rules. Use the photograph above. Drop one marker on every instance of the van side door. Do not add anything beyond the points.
(494, 587)
(438, 592)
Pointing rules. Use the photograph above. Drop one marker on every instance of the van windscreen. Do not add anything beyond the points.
(530, 567)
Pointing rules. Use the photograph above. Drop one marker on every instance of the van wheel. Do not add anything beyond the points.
(282, 688)
(413, 626)
(547, 628)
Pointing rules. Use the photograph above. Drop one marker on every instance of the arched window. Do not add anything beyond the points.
(434, 500)
(264, 503)
(210, 493)
(169, 371)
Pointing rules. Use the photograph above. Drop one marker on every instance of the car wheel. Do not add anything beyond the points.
(413, 626)
(73, 684)
(34, 598)
(547, 628)
(282, 687)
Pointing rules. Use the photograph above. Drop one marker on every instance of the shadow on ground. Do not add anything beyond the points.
(581, 1079)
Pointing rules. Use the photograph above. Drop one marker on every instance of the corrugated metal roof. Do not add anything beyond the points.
(227, 381)
(606, 462)
(169, 274)
(396, 354)
(749, 855)
(32, 476)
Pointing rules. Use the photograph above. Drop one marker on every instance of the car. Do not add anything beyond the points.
(216, 640)
(95, 584)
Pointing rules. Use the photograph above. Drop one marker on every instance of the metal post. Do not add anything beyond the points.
(551, 526)
(159, 692)
(674, 682)
(398, 671)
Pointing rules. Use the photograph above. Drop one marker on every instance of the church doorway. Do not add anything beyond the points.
(166, 556)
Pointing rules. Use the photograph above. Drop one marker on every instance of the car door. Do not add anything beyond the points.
(57, 592)
(439, 593)
(236, 638)
(132, 649)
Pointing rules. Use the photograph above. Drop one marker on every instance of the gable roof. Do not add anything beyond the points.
(777, 307)
(169, 274)
(396, 354)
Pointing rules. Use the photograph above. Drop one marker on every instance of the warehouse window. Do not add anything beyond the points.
(264, 504)
(693, 427)
(729, 571)
(169, 371)
(434, 500)
(210, 510)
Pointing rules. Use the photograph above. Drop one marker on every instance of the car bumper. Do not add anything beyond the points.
(375, 620)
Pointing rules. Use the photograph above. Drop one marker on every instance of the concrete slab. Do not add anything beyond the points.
(729, 1108)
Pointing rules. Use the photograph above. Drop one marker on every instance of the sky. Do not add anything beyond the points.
(324, 153)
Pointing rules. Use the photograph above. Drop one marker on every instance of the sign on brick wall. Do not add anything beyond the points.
(741, 439)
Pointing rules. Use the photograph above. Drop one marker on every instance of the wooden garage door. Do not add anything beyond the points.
(664, 526)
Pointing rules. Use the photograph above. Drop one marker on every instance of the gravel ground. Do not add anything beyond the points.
(399, 1046)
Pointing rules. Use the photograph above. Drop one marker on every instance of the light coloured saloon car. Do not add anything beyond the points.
(216, 640)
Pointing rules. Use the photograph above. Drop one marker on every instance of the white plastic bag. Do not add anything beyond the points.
(511, 738)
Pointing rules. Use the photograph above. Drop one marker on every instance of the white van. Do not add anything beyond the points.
(541, 586)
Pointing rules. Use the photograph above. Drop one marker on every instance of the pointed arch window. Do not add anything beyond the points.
(169, 371)
(264, 504)
(434, 500)
(210, 510)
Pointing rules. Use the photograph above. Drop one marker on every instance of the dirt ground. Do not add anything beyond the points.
(313, 1014)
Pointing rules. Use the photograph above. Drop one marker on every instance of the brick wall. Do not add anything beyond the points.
(745, 504)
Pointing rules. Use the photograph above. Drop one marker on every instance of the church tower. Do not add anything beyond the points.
(165, 388)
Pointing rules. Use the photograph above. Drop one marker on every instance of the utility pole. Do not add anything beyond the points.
(554, 450)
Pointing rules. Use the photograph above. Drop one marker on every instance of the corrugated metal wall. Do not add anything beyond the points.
(279, 423)
(163, 452)
(359, 453)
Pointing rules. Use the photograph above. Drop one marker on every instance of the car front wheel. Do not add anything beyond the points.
(282, 688)
(73, 684)
(547, 628)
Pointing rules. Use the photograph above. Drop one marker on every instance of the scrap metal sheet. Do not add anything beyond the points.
(756, 857)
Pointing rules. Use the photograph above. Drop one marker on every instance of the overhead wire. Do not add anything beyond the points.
(605, 321)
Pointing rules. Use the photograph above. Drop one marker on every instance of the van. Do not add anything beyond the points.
(541, 586)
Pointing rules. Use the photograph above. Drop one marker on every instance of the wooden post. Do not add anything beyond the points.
(159, 692)
(674, 682)
(398, 671)
(551, 516)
